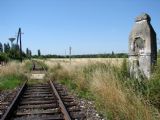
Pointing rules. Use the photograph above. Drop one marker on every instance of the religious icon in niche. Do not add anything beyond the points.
(138, 46)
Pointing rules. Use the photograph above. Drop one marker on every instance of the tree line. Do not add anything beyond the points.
(105, 55)
(8, 52)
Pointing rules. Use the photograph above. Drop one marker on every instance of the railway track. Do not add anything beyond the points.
(5, 101)
(43, 101)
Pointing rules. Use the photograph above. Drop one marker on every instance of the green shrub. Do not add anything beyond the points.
(4, 57)
(153, 91)
(124, 69)
(11, 81)
(28, 65)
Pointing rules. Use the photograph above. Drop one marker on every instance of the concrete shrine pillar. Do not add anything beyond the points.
(142, 47)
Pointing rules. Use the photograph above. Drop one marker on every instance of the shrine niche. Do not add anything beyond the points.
(138, 45)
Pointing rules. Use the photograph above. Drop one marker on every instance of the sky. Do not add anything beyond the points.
(88, 26)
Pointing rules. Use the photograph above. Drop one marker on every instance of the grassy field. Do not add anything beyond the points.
(104, 81)
(83, 61)
(107, 83)
(11, 75)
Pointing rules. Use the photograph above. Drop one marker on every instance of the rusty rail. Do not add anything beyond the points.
(63, 108)
(14, 103)
(66, 115)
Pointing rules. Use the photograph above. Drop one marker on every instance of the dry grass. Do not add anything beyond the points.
(84, 61)
(120, 102)
(11, 68)
(11, 75)
(112, 98)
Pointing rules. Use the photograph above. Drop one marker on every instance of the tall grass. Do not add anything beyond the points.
(153, 87)
(116, 96)
(11, 75)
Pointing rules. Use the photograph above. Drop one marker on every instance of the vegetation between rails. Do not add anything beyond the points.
(116, 95)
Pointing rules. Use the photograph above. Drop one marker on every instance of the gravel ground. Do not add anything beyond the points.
(88, 108)
(7, 95)
(5, 99)
(4, 94)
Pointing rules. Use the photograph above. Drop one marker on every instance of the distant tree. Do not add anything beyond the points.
(39, 52)
(112, 52)
(112, 55)
(3, 57)
(14, 54)
(27, 52)
(6, 48)
(1, 47)
(15, 47)
(30, 53)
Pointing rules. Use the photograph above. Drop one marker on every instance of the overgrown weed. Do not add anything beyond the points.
(116, 95)
(11, 75)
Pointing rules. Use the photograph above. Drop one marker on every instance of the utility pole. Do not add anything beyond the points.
(19, 37)
(65, 54)
(70, 52)
(20, 45)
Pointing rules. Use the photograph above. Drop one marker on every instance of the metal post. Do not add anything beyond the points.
(70, 52)
(65, 54)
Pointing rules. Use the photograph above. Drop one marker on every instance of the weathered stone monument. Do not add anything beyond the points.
(142, 47)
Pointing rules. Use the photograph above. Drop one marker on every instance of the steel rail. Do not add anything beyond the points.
(35, 61)
(63, 108)
(8, 114)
